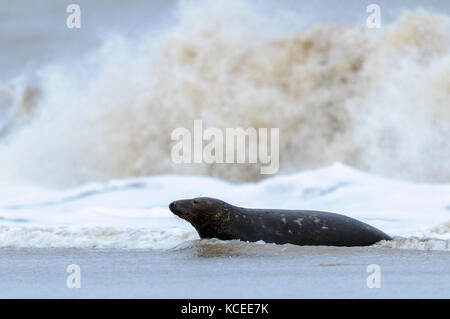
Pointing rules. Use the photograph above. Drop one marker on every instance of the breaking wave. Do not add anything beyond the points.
(171, 239)
(374, 99)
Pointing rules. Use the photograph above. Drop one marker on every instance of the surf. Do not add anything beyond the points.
(373, 99)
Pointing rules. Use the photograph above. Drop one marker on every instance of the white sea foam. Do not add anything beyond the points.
(133, 213)
(93, 237)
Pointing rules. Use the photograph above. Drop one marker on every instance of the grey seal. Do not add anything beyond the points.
(213, 218)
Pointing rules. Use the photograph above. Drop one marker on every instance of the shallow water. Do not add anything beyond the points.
(208, 270)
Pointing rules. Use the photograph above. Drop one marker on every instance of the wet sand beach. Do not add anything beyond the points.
(208, 269)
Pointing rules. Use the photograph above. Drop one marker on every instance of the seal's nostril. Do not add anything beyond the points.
(172, 205)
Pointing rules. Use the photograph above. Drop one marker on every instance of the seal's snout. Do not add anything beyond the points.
(181, 208)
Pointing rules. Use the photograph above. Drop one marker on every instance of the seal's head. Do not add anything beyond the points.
(200, 211)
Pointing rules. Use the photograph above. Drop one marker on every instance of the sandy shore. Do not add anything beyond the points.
(217, 270)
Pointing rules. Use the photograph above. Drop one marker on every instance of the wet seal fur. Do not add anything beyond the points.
(213, 218)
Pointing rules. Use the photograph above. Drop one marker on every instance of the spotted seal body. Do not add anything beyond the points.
(213, 218)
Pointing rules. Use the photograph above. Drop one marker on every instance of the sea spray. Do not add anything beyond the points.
(377, 100)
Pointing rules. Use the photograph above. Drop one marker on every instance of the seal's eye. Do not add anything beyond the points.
(195, 201)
